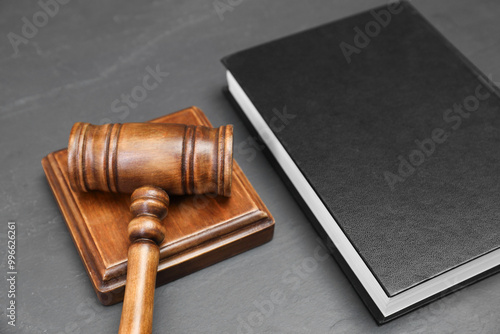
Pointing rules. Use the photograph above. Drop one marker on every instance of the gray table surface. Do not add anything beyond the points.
(83, 58)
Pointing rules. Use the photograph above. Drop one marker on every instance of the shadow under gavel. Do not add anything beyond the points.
(148, 160)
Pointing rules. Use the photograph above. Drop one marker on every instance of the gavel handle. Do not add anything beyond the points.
(149, 205)
(137, 312)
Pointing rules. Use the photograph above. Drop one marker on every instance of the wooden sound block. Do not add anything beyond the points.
(201, 229)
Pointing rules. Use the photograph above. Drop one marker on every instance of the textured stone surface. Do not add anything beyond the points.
(77, 66)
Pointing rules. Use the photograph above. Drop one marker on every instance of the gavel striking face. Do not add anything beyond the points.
(148, 160)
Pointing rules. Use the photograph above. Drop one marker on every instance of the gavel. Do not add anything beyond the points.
(148, 160)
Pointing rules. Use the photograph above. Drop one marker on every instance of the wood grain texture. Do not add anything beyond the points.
(201, 229)
(146, 231)
(137, 312)
(181, 159)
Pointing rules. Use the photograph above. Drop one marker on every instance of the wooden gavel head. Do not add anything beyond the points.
(180, 159)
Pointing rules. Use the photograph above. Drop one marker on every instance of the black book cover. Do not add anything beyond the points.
(397, 134)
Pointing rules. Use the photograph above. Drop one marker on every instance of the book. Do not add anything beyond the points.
(389, 139)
